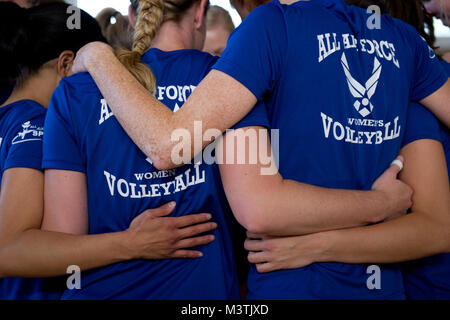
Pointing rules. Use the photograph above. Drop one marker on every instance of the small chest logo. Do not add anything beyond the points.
(29, 133)
(363, 94)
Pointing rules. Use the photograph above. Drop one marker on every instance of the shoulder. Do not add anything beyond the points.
(23, 111)
(76, 93)
(80, 82)
(203, 57)
(269, 14)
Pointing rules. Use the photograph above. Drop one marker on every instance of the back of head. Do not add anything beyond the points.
(151, 14)
(219, 17)
(247, 5)
(32, 37)
(412, 12)
(115, 28)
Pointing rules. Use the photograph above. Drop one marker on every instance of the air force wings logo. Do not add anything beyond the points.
(359, 92)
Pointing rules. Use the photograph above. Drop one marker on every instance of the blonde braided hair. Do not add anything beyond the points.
(151, 15)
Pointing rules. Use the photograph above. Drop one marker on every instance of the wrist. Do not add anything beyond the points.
(124, 245)
(322, 246)
(382, 205)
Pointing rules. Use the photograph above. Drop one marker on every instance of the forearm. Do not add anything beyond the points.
(407, 238)
(137, 110)
(305, 209)
(36, 253)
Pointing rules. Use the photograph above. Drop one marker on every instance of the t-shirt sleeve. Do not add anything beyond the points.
(26, 146)
(61, 148)
(420, 124)
(429, 74)
(255, 53)
(256, 118)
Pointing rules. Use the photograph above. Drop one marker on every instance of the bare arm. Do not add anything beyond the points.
(269, 204)
(26, 251)
(218, 102)
(439, 103)
(424, 232)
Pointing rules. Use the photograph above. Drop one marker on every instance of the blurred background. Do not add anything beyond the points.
(94, 7)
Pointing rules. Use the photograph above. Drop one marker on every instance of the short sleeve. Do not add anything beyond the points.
(420, 124)
(26, 146)
(255, 53)
(429, 74)
(256, 118)
(61, 148)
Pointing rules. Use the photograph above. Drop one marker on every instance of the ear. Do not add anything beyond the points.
(200, 14)
(65, 62)
(132, 16)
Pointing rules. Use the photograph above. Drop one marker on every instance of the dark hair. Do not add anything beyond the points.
(412, 12)
(250, 5)
(119, 34)
(32, 37)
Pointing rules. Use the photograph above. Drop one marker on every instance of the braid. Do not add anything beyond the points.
(150, 18)
(151, 15)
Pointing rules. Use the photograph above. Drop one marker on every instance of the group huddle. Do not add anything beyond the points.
(358, 208)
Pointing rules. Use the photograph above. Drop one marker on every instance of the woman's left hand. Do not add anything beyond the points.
(273, 253)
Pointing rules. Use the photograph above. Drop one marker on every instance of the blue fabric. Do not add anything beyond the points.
(83, 135)
(21, 135)
(339, 93)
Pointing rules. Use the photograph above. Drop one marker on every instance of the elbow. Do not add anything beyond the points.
(253, 219)
(161, 158)
(163, 165)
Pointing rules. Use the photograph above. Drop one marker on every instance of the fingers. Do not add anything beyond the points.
(393, 171)
(162, 211)
(189, 220)
(258, 257)
(195, 242)
(187, 254)
(254, 245)
(399, 163)
(254, 235)
(266, 267)
(196, 230)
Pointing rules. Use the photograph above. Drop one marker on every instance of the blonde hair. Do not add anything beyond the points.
(150, 16)
(218, 16)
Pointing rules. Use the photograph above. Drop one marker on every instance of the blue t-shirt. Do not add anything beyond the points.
(429, 278)
(339, 93)
(83, 135)
(21, 135)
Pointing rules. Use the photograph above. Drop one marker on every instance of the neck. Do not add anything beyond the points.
(172, 36)
(34, 88)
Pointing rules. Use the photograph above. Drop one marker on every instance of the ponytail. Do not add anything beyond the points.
(150, 18)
